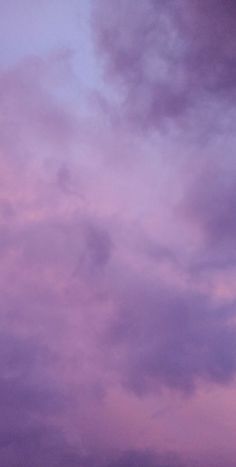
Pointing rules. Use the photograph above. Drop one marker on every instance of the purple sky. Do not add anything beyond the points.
(118, 233)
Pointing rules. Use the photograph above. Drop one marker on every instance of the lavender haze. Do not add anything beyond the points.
(118, 233)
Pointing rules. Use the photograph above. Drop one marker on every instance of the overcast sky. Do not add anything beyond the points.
(117, 233)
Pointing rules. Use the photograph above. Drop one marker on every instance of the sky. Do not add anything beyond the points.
(117, 233)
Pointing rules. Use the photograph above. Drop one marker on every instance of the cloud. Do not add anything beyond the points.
(42, 244)
(163, 337)
(99, 305)
(168, 58)
(28, 404)
(209, 203)
(144, 458)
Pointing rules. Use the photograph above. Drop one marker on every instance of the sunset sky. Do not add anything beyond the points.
(118, 233)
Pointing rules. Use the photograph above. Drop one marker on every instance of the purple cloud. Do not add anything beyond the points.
(27, 403)
(145, 458)
(168, 58)
(164, 338)
(210, 203)
(117, 273)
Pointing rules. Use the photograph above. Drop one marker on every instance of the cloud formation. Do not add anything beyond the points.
(117, 274)
(165, 337)
(169, 58)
